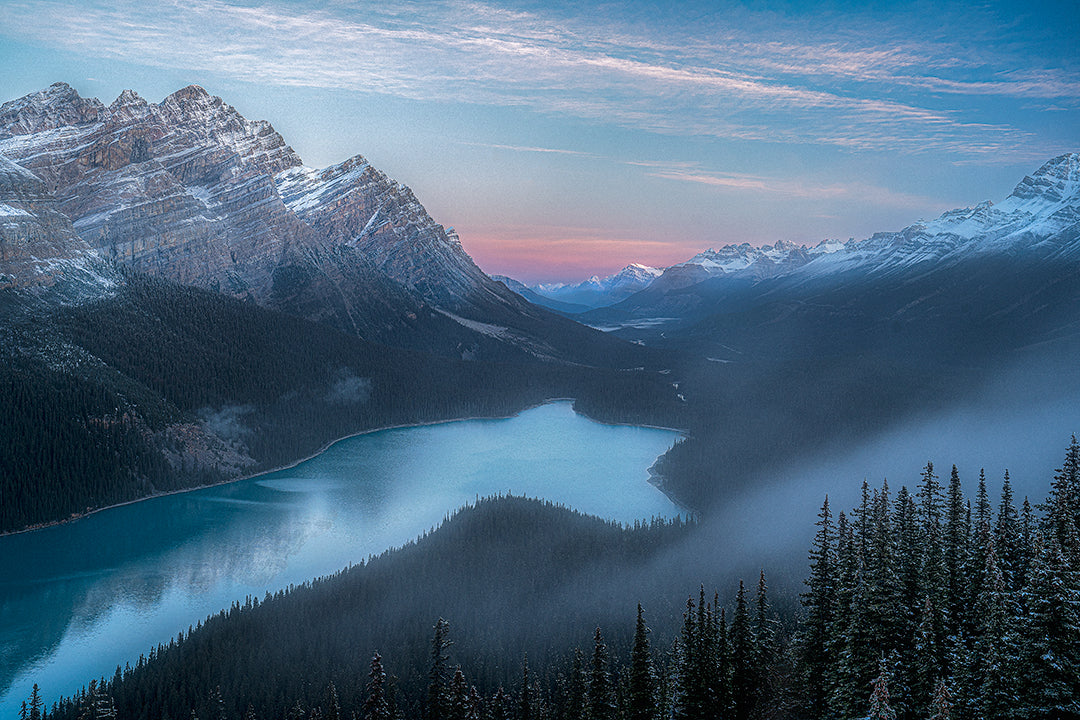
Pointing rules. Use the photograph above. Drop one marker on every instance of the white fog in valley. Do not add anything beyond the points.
(1020, 420)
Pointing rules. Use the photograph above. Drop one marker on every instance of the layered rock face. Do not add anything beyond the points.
(38, 246)
(182, 189)
(190, 190)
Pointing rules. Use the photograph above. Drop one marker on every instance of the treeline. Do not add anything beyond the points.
(113, 400)
(920, 605)
(961, 612)
(511, 575)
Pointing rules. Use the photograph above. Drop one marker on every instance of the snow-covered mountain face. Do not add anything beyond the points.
(597, 291)
(190, 190)
(1040, 219)
(1040, 215)
(746, 260)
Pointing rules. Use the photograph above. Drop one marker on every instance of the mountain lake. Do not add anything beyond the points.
(80, 598)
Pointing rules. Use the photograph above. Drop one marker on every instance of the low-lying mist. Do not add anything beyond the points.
(1020, 419)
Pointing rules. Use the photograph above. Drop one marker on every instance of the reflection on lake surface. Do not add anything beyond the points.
(76, 600)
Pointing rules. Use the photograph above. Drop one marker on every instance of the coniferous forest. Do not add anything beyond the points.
(921, 602)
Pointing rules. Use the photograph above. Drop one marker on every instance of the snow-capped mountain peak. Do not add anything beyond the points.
(599, 291)
(1041, 209)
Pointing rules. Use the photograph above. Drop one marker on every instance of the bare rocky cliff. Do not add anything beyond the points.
(189, 190)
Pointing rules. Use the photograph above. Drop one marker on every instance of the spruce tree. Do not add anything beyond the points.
(932, 578)
(724, 699)
(642, 701)
(333, 706)
(815, 646)
(376, 705)
(438, 695)
(474, 707)
(990, 692)
(36, 704)
(458, 708)
(925, 668)
(1028, 531)
(879, 707)
(941, 707)
(1007, 537)
(765, 644)
(577, 707)
(688, 703)
(856, 660)
(957, 534)
(1051, 637)
(601, 692)
(743, 658)
(909, 563)
(1062, 507)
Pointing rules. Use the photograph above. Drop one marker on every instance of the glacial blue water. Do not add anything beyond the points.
(76, 600)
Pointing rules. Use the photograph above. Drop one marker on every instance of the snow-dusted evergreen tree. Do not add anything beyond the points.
(98, 704)
(1051, 637)
(1062, 507)
(601, 692)
(438, 694)
(957, 534)
(908, 564)
(475, 705)
(1007, 537)
(941, 707)
(766, 637)
(990, 691)
(376, 704)
(332, 709)
(815, 640)
(526, 702)
(879, 707)
(925, 669)
(577, 700)
(743, 658)
(642, 690)
(36, 706)
(858, 658)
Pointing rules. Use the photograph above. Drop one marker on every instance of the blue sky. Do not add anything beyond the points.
(563, 139)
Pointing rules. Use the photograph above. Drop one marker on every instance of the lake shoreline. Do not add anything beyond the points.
(330, 444)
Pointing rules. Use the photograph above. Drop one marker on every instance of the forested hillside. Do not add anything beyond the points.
(922, 603)
(160, 387)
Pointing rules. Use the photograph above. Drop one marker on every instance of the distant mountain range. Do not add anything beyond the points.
(1035, 231)
(596, 291)
(1039, 217)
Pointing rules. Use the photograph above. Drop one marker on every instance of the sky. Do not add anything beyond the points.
(565, 139)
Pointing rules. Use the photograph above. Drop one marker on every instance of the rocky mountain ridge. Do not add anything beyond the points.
(191, 191)
(597, 291)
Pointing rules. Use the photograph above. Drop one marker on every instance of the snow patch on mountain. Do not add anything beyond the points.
(600, 291)
(1043, 210)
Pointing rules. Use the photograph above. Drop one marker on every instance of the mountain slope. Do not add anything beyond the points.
(864, 337)
(191, 191)
(1034, 235)
(155, 387)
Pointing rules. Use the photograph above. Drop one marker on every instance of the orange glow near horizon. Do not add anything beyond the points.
(564, 254)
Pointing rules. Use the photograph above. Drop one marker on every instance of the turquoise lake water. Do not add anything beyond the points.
(78, 599)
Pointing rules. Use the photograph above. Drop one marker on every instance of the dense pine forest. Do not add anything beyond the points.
(922, 603)
(136, 380)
